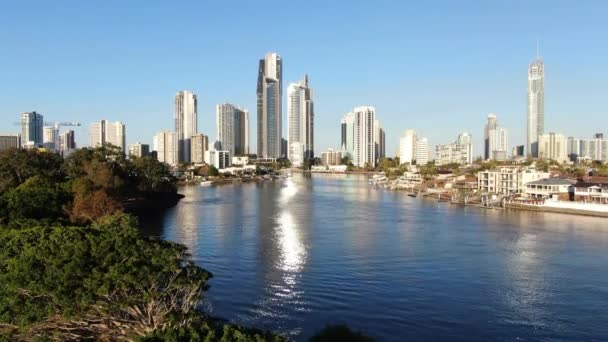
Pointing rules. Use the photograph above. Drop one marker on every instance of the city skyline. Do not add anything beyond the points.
(135, 86)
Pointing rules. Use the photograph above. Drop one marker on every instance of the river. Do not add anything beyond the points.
(294, 256)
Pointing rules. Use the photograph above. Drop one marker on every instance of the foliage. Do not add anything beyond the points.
(339, 333)
(152, 176)
(428, 171)
(212, 331)
(106, 276)
(213, 171)
(89, 207)
(16, 166)
(37, 198)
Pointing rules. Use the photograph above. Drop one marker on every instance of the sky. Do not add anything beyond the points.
(439, 67)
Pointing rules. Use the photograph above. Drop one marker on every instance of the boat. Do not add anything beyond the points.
(412, 194)
(206, 183)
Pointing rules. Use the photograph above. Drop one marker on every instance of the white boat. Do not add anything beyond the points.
(206, 183)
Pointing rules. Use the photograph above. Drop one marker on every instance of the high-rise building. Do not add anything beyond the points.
(200, 145)
(219, 159)
(595, 149)
(364, 151)
(408, 147)
(348, 133)
(552, 146)
(232, 127)
(50, 138)
(185, 114)
(379, 140)
(9, 141)
(490, 125)
(460, 152)
(67, 142)
(32, 124)
(496, 140)
(331, 157)
(106, 132)
(536, 105)
(422, 151)
(166, 147)
(300, 122)
(138, 150)
(269, 108)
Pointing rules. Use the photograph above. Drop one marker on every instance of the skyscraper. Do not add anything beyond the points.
(106, 132)
(379, 136)
(166, 147)
(364, 151)
(9, 141)
(269, 108)
(50, 138)
(553, 146)
(422, 151)
(408, 147)
(32, 124)
(200, 145)
(185, 115)
(496, 140)
(139, 150)
(536, 105)
(347, 141)
(67, 142)
(232, 127)
(300, 122)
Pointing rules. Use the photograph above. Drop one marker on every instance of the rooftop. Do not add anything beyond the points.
(551, 181)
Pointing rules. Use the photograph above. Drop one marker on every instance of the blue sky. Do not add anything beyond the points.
(436, 66)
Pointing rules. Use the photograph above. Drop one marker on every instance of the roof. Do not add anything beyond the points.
(550, 181)
(581, 184)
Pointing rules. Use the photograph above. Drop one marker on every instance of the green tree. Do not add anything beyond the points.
(16, 166)
(213, 171)
(37, 198)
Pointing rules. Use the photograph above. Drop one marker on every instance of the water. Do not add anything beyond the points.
(327, 249)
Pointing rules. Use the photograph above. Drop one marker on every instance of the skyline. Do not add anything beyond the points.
(136, 72)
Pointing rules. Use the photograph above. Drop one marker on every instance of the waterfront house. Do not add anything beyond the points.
(591, 192)
(556, 188)
(507, 180)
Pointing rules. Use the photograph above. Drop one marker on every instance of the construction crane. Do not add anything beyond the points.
(56, 124)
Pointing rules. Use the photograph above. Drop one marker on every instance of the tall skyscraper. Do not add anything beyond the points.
(536, 105)
(490, 125)
(467, 140)
(408, 147)
(67, 142)
(553, 146)
(348, 134)
(232, 127)
(185, 115)
(300, 122)
(50, 138)
(379, 137)
(496, 140)
(269, 108)
(32, 124)
(106, 132)
(166, 147)
(200, 145)
(364, 151)
(422, 151)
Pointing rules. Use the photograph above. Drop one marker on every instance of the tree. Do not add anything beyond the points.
(37, 198)
(153, 176)
(89, 207)
(116, 283)
(213, 171)
(17, 165)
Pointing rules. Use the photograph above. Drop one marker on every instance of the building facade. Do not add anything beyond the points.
(536, 106)
(300, 122)
(347, 141)
(379, 141)
(9, 141)
(219, 159)
(185, 115)
(496, 140)
(408, 147)
(507, 180)
(50, 138)
(553, 146)
(232, 127)
(331, 157)
(422, 151)
(32, 124)
(67, 142)
(200, 145)
(364, 151)
(594, 149)
(459, 152)
(166, 147)
(106, 132)
(138, 150)
(269, 107)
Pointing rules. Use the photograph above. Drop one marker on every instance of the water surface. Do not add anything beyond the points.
(295, 256)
